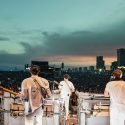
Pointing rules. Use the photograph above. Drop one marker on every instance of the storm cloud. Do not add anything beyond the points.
(44, 31)
(56, 46)
(2, 38)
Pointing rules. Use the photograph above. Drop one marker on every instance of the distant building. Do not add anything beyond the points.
(80, 69)
(85, 69)
(62, 65)
(57, 72)
(91, 68)
(44, 65)
(69, 70)
(76, 69)
(44, 68)
(121, 57)
(114, 65)
(26, 66)
(100, 63)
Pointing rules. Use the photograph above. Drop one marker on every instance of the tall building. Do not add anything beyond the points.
(62, 65)
(80, 69)
(91, 68)
(114, 65)
(45, 70)
(44, 65)
(85, 69)
(100, 63)
(26, 66)
(121, 57)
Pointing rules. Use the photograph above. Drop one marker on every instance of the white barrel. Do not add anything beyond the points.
(9, 120)
(7, 100)
(56, 105)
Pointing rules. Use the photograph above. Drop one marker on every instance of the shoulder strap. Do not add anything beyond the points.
(70, 88)
(44, 92)
(68, 85)
(36, 82)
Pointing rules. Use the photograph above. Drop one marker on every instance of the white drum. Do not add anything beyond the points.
(93, 111)
(51, 112)
(54, 120)
(7, 100)
(16, 109)
(1, 99)
(86, 106)
(48, 107)
(58, 105)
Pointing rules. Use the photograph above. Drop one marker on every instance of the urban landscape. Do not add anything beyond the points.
(62, 62)
(91, 79)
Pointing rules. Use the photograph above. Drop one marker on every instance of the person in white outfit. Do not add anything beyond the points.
(66, 87)
(116, 90)
(33, 97)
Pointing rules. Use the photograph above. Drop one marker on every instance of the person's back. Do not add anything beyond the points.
(116, 90)
(32, 96)
(32, 92)
(66, 88)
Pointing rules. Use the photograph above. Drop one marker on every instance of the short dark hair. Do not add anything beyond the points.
(34, 69)
(66, 76)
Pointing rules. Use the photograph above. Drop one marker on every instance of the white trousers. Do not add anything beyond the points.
(34, 118)
(66, 104)
(116, 117)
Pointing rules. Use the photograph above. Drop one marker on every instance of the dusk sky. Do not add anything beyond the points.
(69, 31)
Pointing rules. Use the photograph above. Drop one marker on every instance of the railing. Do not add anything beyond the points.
(93, 110)
(8, 90)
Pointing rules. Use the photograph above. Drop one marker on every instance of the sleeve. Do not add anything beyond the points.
(107, 88)
(72, 87)
(46, 86)
(49, 94)
(45, 83)
(60, 86)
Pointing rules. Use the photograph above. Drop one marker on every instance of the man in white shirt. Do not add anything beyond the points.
(116, 90)
(66, 87)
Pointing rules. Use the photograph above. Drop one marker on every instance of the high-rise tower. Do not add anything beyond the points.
(121, 57)
(100, 63)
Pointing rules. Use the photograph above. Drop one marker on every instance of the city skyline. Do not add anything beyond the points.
(73, 32)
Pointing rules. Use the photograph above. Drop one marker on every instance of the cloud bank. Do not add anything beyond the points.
(74, 46)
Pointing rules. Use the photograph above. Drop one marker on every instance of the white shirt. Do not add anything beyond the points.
(116, 91)
(26, 86)
(65, 89)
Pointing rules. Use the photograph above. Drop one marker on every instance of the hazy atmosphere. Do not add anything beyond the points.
(69, 31)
